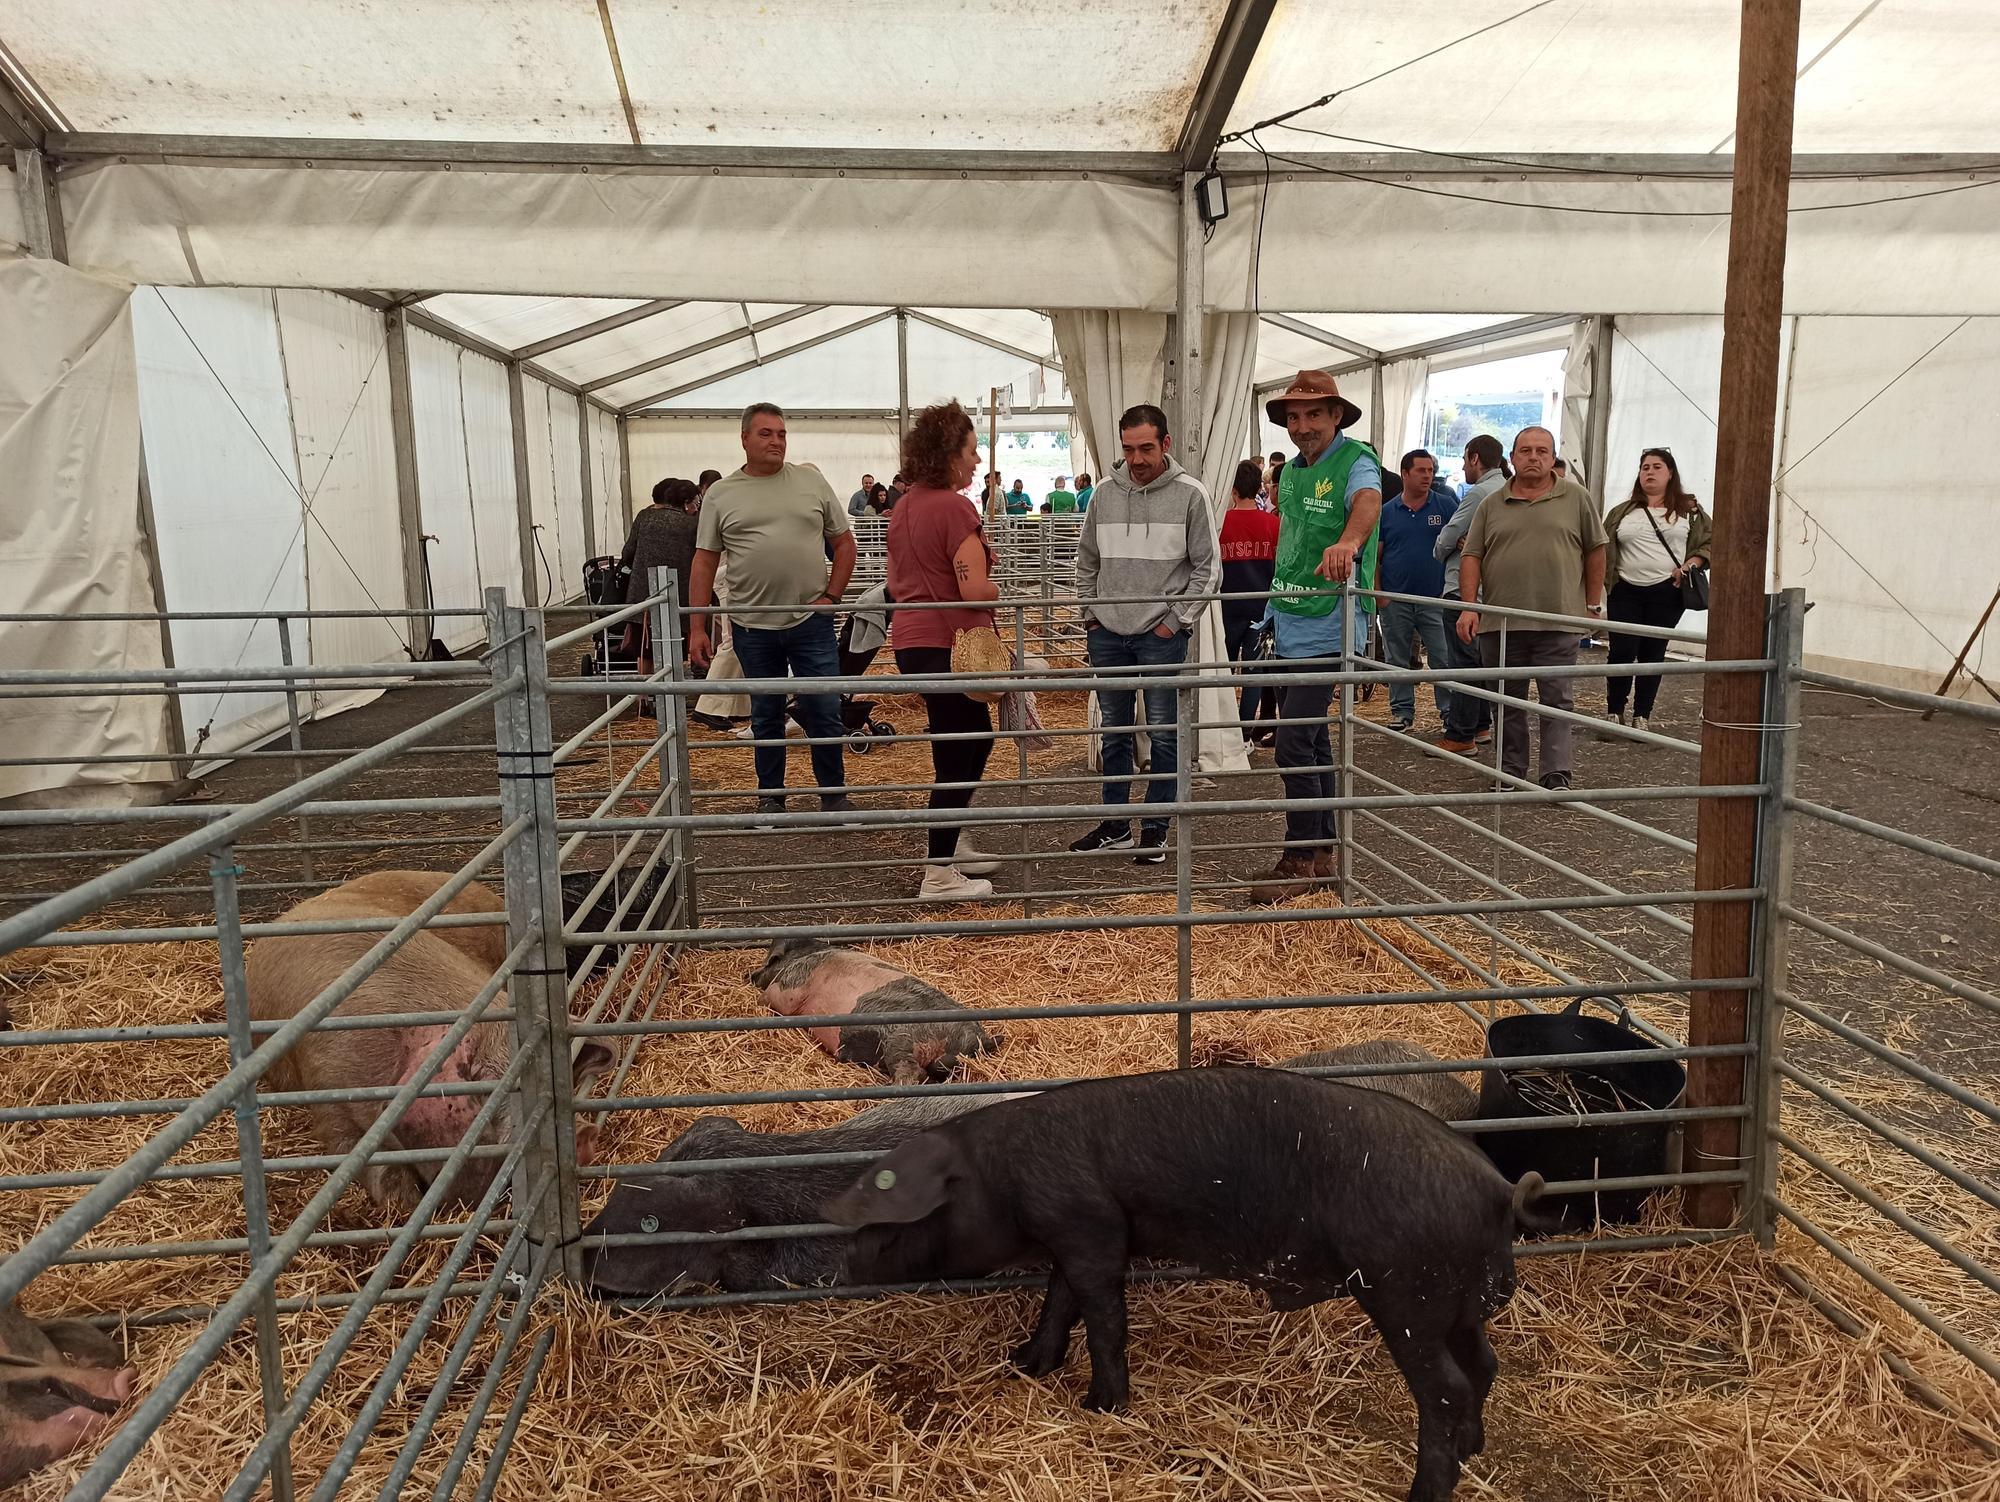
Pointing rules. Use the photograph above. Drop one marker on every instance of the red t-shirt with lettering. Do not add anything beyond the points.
(925, 532)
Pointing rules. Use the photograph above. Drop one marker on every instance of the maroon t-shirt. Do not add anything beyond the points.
(925, 532)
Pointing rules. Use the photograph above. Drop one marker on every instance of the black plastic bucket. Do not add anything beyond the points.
(1621, 1150)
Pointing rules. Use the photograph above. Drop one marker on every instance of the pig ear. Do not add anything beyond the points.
(591, 1060)
(907, 1185)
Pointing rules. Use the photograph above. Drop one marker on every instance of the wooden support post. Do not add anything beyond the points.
(1733, 704)
(418, 631)
(524, 504)
(902, 381)
(1965, 651)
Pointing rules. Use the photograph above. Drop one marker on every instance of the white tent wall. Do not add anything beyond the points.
(13, 228)
(618, 232)
(465, 479)
(444, 485)
(566, 471)
(336, 368)
(844, 449)
(1893, 483)
(70, 539)
(607, 484)
(224, 479)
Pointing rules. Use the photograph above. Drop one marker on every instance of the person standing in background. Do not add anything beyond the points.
(1329, 501)
(938, 552)
(1411, 525)
(1019, 502)
(770, 522)
(857, 503)
(1468, 720)
(1536, 544)
(1062, 498)
(1083, 489)
(708, 478)
(1652, 538)
(1148, 541)
(1249, 546)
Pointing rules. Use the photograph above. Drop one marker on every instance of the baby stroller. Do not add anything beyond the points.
(604, 581)
(862, 635)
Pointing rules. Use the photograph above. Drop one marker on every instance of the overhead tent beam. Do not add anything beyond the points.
(702, 347)
(828, 414)
(41, 207)
(576, 156)
(1292, 166)
(748, 365)
(1319, 335)
(601, 326)
(28, 116)
(1221, 79)
(1047, 362)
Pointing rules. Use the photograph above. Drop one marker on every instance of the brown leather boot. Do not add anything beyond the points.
(1291, 877)
(1325, 865)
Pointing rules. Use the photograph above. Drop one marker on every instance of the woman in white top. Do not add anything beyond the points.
(1651, 540)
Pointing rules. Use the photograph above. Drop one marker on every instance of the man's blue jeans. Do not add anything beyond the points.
(1402, 623)
(807, 650)
(1108, 649)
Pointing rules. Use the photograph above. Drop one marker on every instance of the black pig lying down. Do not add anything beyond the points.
(730, 1199)
(1303, 1188)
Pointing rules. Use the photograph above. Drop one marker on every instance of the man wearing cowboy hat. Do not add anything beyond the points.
(1329, 499)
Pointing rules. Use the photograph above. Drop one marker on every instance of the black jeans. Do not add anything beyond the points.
(1310, 748)
(956, 766)
(1238, 632)
(1642, 605)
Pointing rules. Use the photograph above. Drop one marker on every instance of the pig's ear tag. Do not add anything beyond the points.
(649, 1224)
(886, 1179)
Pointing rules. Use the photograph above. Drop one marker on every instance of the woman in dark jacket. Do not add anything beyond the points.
(662, 536)
(1652, 538)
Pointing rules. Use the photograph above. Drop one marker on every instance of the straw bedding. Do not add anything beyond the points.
(1685, 1374)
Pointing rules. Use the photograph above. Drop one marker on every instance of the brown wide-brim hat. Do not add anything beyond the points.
(1312, 386)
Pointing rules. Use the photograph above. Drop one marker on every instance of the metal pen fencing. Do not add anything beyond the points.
(622, 846)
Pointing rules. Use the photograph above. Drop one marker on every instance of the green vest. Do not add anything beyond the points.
(1312, 513)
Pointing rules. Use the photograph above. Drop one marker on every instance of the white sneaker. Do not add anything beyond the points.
(969, 860)
(949, 884)
(1625, 717)
(1639, 722)
(792, 728)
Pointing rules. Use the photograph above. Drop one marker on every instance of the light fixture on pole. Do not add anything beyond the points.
(1211, 199)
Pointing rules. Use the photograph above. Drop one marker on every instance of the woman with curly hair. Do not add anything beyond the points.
(1652, 538)
(938, 554)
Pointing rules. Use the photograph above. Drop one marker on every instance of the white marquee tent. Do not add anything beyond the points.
(342, 277)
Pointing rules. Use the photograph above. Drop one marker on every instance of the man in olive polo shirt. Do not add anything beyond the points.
(790, 549)
(1536, 543)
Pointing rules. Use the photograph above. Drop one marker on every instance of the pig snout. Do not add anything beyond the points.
(586, 1143)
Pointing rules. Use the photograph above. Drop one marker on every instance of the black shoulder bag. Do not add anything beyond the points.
(1694, 581)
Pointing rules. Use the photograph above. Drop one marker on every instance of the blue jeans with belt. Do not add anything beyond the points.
(1402, 623)
(1111, 649)
(807, 650)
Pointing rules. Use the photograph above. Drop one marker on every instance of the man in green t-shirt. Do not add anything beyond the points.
(790, 549)
(1061, 499)
(1329, 500)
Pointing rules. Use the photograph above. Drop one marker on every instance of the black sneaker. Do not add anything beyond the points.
(840, 803)
(768, 812)
(1401, 725)
(1152, 848)
(1106, 836)
(710, 721)
(1556, 780)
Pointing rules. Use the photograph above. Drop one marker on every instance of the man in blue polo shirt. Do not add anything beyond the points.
(1410, 527)
(1329, 499)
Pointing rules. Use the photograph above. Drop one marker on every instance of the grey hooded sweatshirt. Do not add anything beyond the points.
(1155, 540)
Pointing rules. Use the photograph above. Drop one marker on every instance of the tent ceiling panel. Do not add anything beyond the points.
(1620, 78)
(662, 334)
(514, 70)
(501, 70)
(512, 322)
(858, 370)
(770, 345)
(1111, 75)
(1387, 331)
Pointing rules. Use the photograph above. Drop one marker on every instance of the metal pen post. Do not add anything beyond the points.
(1499, 750)
(538, 988)
(1344, 827)
(223, 873)
(1021, 760)
(1184, 872)
(1777, 849)
(671, 709)
(298, 743)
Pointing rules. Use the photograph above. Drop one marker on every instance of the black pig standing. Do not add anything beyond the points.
(1303, 1188)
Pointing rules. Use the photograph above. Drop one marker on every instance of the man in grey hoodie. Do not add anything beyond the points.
(1149, 535)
